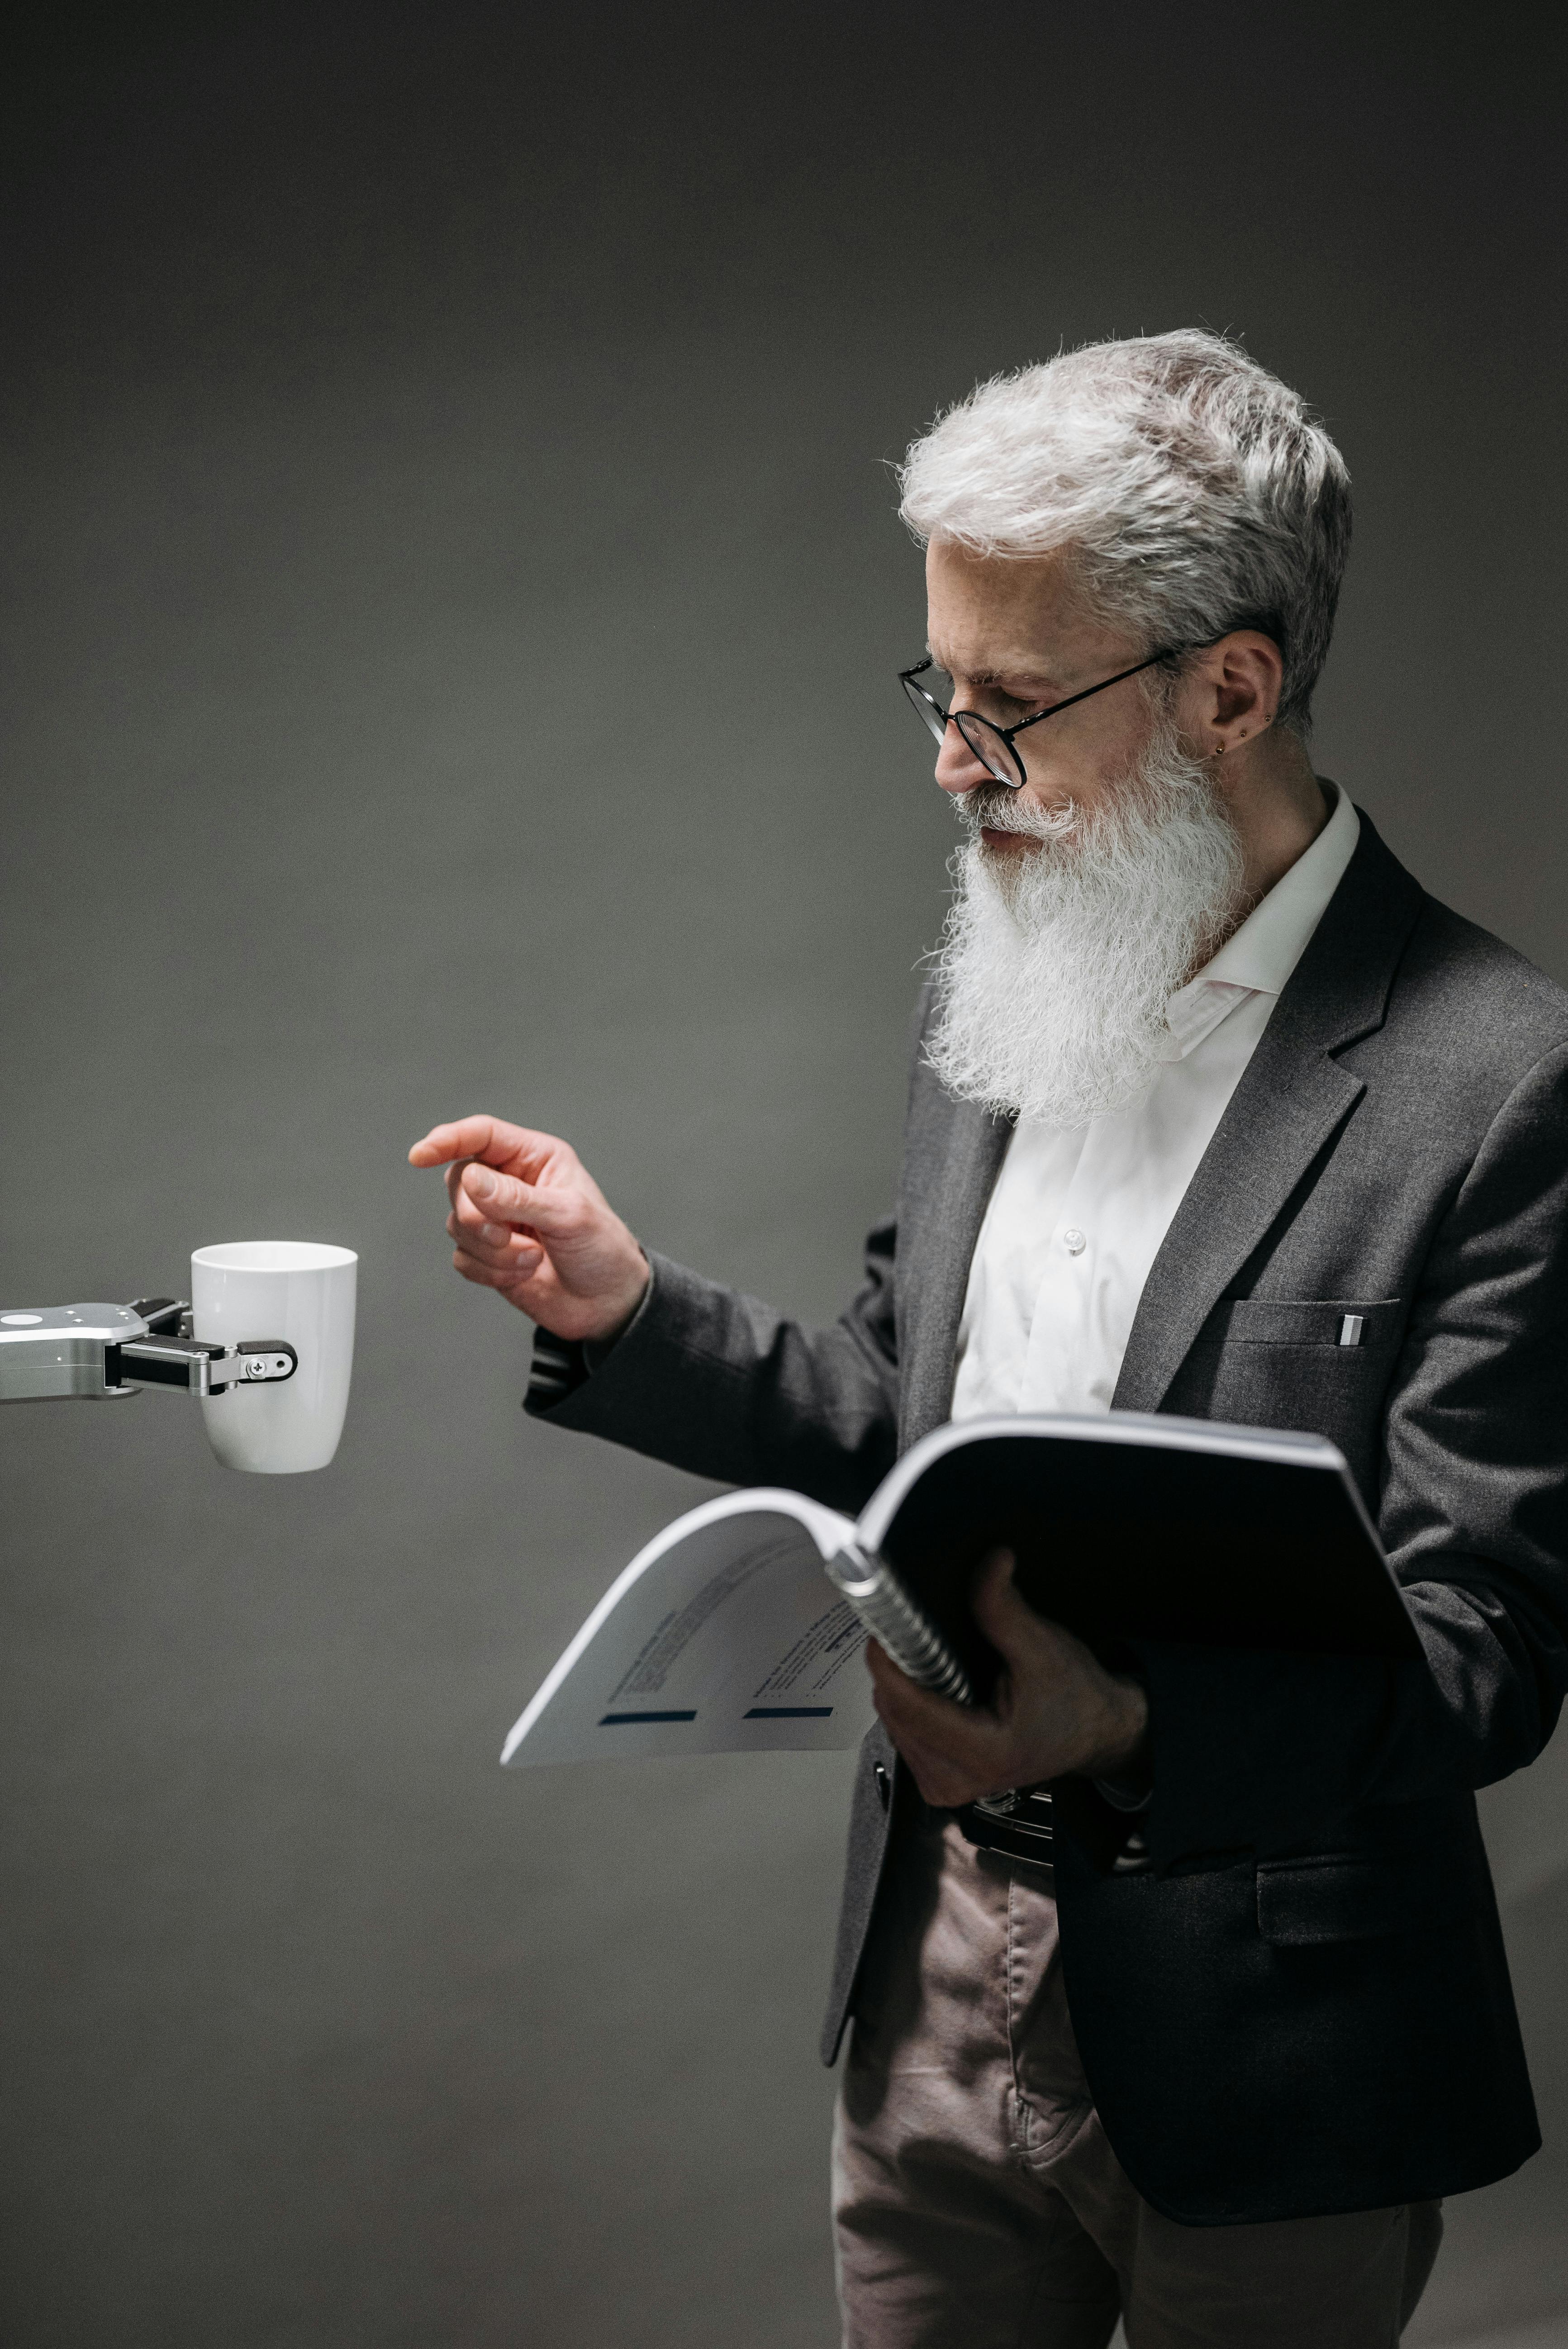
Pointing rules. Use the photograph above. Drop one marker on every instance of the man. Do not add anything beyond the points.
(1214, 1112)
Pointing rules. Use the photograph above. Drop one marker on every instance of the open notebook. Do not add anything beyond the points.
(741, 1625)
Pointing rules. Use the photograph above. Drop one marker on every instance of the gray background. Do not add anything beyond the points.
(451, 599)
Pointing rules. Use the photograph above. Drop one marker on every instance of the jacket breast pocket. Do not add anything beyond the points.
(1319, 1363)
(1349, 1326)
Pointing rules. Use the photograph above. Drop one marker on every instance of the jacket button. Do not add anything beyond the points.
(884, 1785)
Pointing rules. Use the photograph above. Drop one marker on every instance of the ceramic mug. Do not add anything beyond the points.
(296, 1289)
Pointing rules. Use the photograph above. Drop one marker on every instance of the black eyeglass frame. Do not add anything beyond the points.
(917, 694)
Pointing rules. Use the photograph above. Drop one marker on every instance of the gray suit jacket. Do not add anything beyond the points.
(1304, 2007)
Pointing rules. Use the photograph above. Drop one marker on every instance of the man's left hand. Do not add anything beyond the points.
(1056, 1711)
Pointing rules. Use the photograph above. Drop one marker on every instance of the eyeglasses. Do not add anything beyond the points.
(992, 745)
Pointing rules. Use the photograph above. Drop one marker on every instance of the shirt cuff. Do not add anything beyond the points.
(559, 1368)
(1123, 1799)
(561, 1365)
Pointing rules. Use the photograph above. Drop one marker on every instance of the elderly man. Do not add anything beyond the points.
(1213, 1111)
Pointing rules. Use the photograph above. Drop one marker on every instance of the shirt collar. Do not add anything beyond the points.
(1262, 954)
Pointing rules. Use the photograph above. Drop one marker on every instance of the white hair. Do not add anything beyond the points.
(1056, 962)
(1195, 490)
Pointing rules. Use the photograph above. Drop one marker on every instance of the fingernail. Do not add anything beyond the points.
(481, 1182)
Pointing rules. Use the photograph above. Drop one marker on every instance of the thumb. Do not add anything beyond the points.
(504, 1200)
(1008, 1622)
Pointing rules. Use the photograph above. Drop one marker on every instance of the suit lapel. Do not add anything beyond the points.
(1292, 1098)
(952, 1214)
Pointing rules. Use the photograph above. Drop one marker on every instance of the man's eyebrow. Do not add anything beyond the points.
(1024, 671)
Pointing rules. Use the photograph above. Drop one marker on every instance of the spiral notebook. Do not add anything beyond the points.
(740, 1626)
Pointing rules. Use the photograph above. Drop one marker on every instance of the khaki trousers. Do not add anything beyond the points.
(977, 2204)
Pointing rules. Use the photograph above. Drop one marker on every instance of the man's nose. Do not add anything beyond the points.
(957, 768)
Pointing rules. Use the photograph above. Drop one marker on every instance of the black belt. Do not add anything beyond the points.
(1017, 1825)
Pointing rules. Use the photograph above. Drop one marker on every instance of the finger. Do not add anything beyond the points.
(503, 1198)
(464, 1206)
(495, 1242)
(508, 1254)
(487, 1276)
(1008, 1622)
(469, 1216)
(963, 1734)
(909, 1730)
(942, 1782)
(921, 1703)
(490, 1138)
(472, 1230)
(939, 1786)
(464, 1137)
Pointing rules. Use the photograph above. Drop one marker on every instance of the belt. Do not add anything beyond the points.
(1017, 1825)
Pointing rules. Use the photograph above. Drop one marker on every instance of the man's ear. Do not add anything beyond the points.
(1246, 674)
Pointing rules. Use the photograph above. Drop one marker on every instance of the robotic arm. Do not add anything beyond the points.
(91, 1352)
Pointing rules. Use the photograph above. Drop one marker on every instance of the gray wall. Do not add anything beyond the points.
(451, 600)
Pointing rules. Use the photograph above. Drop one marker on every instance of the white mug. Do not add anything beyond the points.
(302, 1292)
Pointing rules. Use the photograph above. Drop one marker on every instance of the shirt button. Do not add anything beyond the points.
(1074, 1241)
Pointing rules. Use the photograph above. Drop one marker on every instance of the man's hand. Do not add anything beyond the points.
(529, 1220)
(1056, 1712)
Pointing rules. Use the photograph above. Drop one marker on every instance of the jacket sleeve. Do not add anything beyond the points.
(711, 1380)
(1267, 1751)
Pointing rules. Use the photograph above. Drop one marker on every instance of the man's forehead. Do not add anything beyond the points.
(1005, 616)
(988, 655)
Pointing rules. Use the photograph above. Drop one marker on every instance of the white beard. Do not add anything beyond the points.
(1056, 962)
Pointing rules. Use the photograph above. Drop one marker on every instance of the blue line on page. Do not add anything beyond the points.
(788, 1713)
(619, 1719)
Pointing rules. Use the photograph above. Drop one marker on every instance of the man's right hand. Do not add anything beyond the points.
(529, 1220)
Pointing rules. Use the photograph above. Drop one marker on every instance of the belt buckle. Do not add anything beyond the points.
(1017, 1825)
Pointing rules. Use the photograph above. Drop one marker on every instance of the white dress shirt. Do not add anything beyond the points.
(1079, 1212)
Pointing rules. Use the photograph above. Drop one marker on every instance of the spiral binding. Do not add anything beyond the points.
(890, 1615)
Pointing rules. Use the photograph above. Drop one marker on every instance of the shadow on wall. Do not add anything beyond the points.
(1502, 2280)
(1526, 1823)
